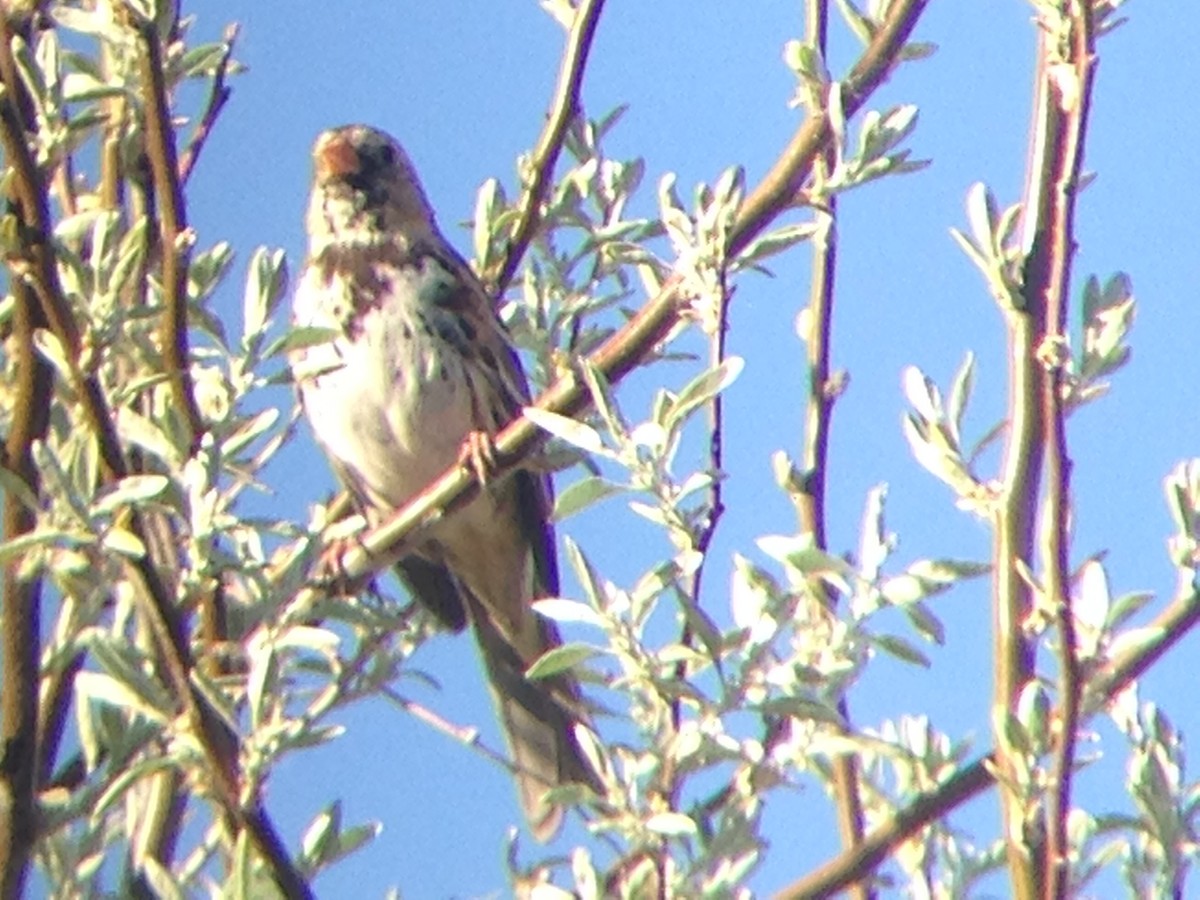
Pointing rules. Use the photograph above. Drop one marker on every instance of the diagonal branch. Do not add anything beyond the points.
(858, 862)
(563, 108)
(218, 95)
(1168, 629)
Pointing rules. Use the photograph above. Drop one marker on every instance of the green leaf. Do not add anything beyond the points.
(864, 29)
(927, 577)
(901, 649)
(201, 60)
(929, 625)
(124, 682)
(561, 610)
(767, 245)
(982, 213)
(14, 549)
(146, 434)
(561, 658)
(321, 834)
(578, 496)
(702, 389)
(127, 778)
(488, 200)
(266, 282)
(126, 543)
(129, 491)
(81, 87)
(162, 881)
(960, 394)
(672, 824)
(132, 695)
(249, 430)
(918, 50)
(577, 434)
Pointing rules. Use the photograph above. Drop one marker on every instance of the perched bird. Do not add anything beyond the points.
(420, 374)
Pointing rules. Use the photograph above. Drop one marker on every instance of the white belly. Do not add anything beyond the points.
(390, 402)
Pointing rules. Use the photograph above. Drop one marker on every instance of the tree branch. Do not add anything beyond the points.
(175, 239)
(20, 636)
(563, 108)
(218, 95)
(859, 861)
(1048, 275)
(1169, 627)
(822, 394)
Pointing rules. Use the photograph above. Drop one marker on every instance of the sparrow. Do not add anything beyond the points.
(419, 374)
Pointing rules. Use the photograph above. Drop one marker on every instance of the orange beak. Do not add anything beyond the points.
(334, 157)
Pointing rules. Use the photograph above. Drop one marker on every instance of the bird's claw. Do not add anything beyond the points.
(479, 455)
(331, 570)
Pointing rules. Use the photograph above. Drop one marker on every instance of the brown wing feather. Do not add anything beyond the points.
(538, 716)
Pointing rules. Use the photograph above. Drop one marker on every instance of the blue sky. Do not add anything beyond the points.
(466, 92)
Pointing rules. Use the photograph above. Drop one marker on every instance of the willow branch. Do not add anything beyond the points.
(218, 96)
(822, 394)
(175, 238)
(563, 108)
(467, 735)
(702, 540)
(1030, 386)
(20, 638)
(857, 863)
(1048, 285)
(1165, 631)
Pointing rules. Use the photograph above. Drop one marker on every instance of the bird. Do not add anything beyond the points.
(417, 376)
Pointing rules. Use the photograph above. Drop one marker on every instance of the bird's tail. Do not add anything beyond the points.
(539, 718)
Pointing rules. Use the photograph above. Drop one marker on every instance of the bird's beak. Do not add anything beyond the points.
(335, 157)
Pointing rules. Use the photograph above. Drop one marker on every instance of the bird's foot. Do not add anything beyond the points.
(479, 455)
(331, 569)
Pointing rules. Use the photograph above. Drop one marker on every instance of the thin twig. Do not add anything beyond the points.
(56, 693)
(175, 651)
(174, 237)
(1165, 631)
(1048, 274)
(718, 353)
(466, 735)
(810, 500)
(563, 108)
(218, 95)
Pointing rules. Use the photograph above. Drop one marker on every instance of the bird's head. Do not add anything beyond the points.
(365, 191)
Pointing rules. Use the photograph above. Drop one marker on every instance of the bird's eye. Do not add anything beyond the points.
(382, 156)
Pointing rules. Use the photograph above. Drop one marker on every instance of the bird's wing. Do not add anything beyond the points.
(508, 393)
